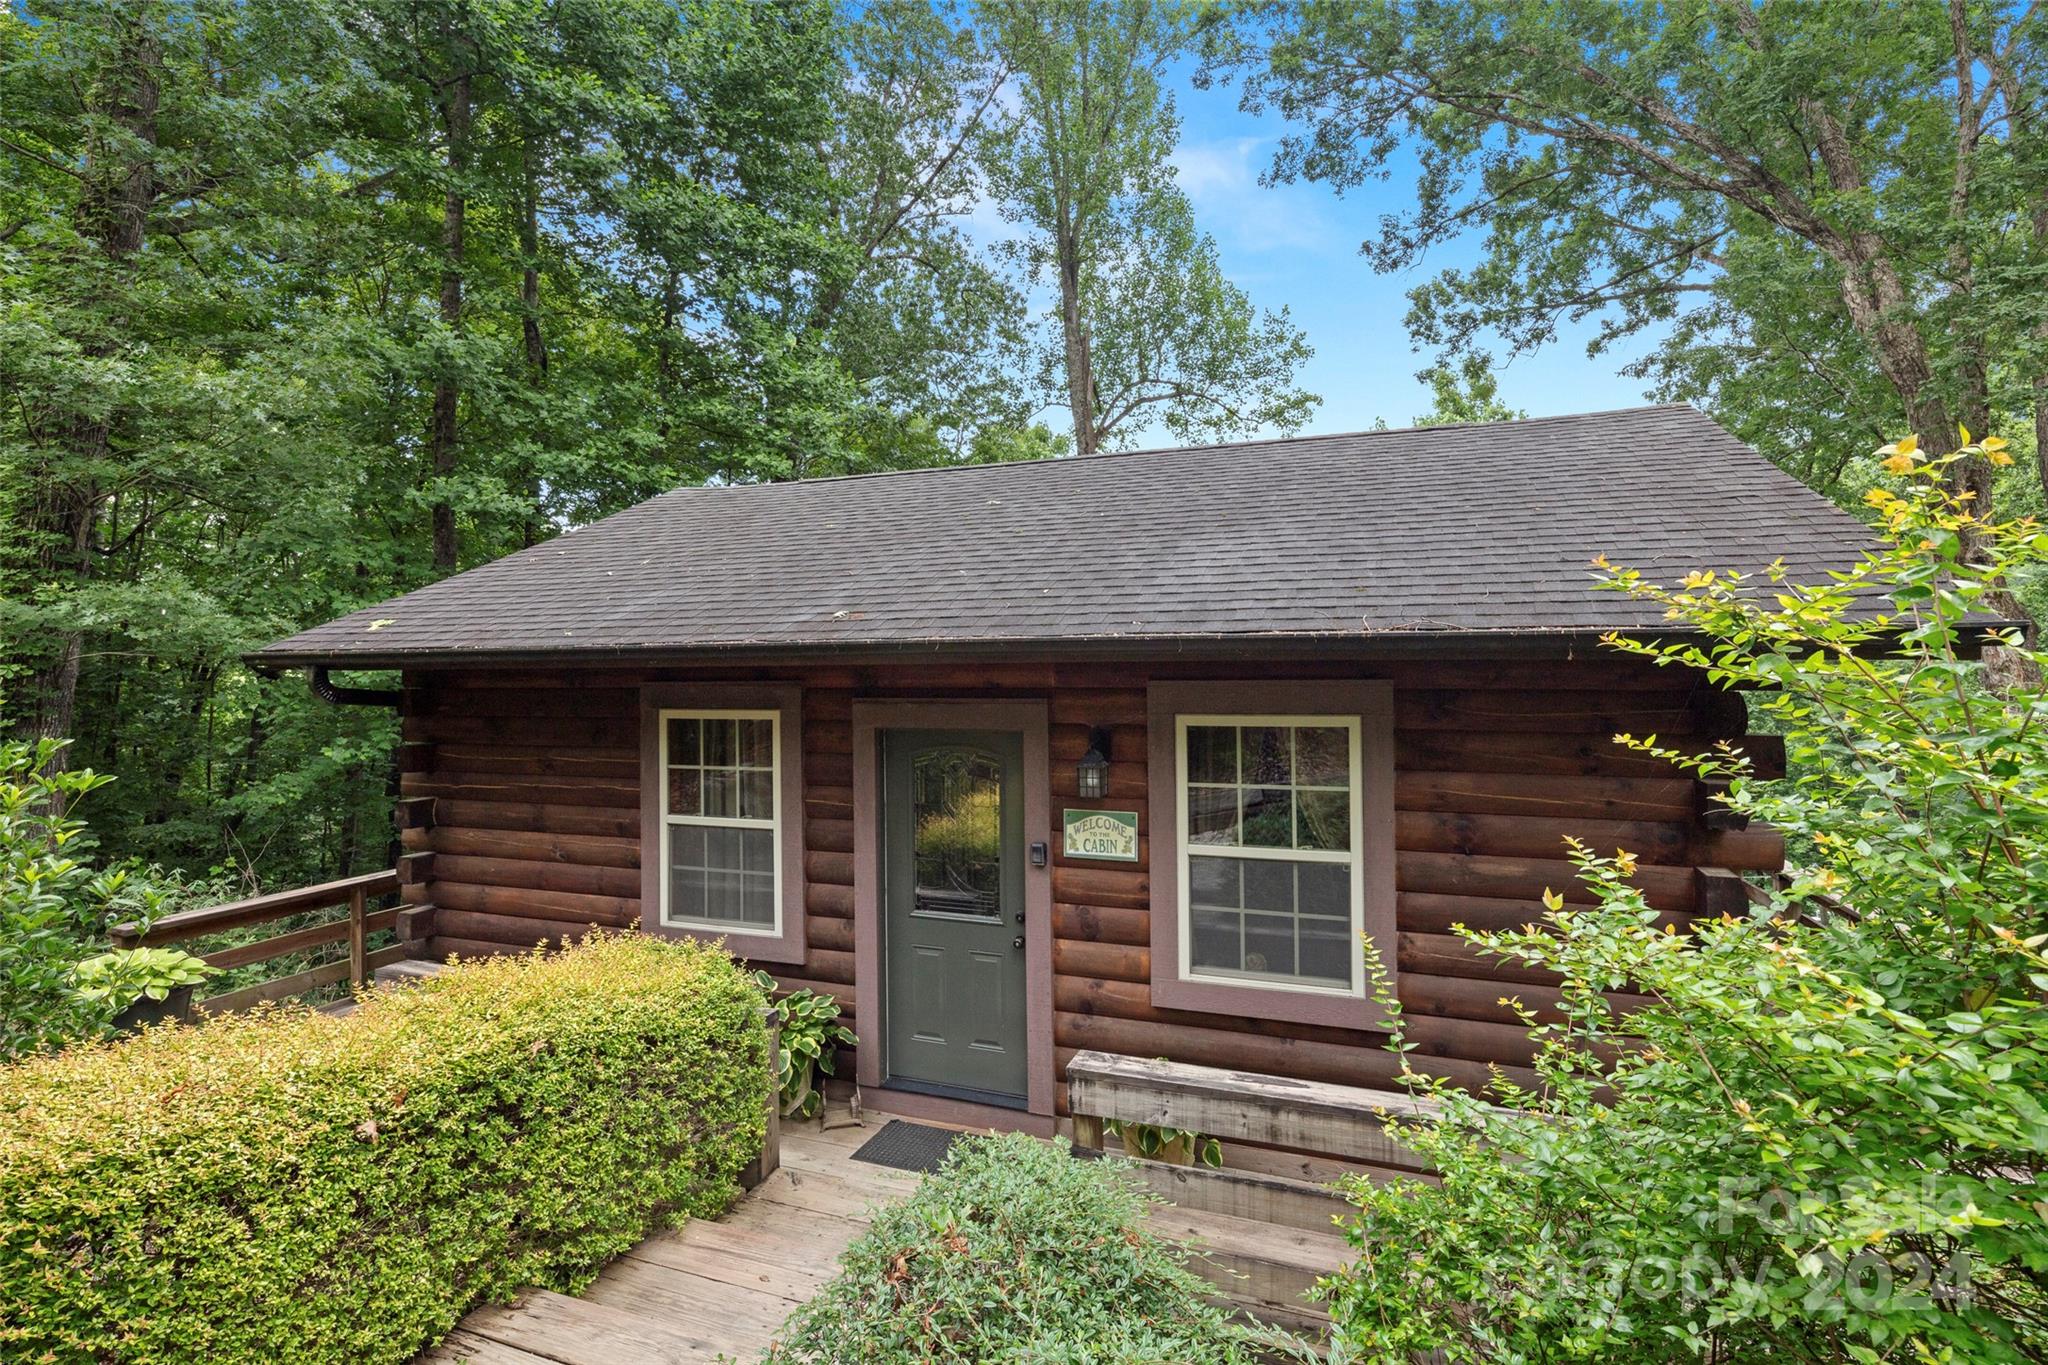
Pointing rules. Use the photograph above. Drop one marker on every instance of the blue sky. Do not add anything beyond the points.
(1297, 245)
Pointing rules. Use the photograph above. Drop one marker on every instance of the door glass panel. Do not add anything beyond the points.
(956, 798)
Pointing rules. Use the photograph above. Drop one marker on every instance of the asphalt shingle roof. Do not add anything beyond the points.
(1476, 531)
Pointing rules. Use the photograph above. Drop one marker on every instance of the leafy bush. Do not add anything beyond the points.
(1016, 1251)
(1824, 1138)
(47, 916)
(287, 1186)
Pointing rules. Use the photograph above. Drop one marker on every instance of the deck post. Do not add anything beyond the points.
(1087, 1133)
(358, 946)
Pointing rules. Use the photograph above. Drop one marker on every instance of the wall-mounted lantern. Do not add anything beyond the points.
(1091, 778)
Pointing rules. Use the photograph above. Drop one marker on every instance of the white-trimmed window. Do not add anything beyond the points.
(721, 820)
(1271, 839)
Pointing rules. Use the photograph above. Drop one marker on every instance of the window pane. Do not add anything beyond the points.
(1325, 820)
(1269, 944)
(1325, 890)
(684, 794)
(1265, 754)
(1213, 881)
(1268, 885)
(757, 743)
(1295, 922)
(1212, 753)
(721, 793)
(1326, 951)
(686, 845)
(757, 899)
(1322, 757)
(686, 893)
(957, 831)
(682, 741)
(720, 746)
(756, 850)
(1268, 817)
(1212, 815)
(1215, 941)
(722, 899)
(757, 796)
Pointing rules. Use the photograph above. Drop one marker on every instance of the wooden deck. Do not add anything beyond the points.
(711, 1289)
(722, 1289)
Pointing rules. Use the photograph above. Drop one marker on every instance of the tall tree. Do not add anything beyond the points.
(1834, 208)
(141, 145)
(307, 302)
(1148, 327)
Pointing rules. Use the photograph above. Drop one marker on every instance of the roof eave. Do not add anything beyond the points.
(1552, 643)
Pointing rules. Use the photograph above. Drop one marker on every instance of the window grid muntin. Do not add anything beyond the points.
(773, 823)
(1353, 857)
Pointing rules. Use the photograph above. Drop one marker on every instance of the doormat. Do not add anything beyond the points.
(907, 1146)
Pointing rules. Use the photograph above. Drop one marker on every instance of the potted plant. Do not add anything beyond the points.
(141, 985)
(811, 1034)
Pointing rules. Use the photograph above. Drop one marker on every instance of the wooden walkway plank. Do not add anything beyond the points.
(735, 1318)
(464, 1347)
(723, 1287)
(579, 1332)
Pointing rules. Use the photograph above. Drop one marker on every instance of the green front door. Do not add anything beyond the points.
(953, 911)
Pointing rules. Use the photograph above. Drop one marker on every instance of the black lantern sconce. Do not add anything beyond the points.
(1091, 778)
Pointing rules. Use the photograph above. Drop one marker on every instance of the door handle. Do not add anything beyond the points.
(1017, 942)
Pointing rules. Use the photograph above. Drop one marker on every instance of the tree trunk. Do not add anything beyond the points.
(1080, 367)
(529, 314)
(442, 435)
(2041, 372)
(118, 189)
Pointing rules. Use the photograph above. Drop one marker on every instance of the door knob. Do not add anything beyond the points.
(1017, 942)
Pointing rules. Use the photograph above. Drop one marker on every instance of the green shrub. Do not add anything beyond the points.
(289, 1186)
(47, 919)
(1016, 1251)
(1824, 1138)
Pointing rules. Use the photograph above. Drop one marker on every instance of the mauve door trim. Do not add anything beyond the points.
(1032, 720)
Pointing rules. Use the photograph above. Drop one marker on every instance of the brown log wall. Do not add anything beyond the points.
(522, 816)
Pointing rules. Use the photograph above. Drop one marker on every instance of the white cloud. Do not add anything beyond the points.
(1221, 178)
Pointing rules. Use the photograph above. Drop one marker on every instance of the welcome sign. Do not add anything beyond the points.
(1108, 834)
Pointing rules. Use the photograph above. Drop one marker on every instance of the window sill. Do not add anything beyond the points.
(750, 947)
(1327, 1009)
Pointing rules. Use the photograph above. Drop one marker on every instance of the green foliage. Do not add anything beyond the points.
(47, 915)
(1821, 220)
(807, 1046)
(1146, 327)
(1823, 1135)
(1156, 1142)
(120, 978)
(700, 239)
(1016, 1251)
(1467, 391)
(284, 1186)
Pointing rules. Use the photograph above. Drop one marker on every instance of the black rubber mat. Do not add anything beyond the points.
(907, 1146)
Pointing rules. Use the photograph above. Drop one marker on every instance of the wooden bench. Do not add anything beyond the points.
(1268, 1236)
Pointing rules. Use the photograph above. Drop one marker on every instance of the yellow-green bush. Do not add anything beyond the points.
(288, 1186)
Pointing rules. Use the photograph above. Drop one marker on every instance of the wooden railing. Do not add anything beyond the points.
(351, 894)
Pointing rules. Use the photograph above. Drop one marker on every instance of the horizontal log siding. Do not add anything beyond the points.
(532, 789)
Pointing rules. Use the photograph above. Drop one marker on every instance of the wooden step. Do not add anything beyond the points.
(1254, 1263)
(405, 971)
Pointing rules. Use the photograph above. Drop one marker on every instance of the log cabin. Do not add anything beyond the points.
(1124, 753)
